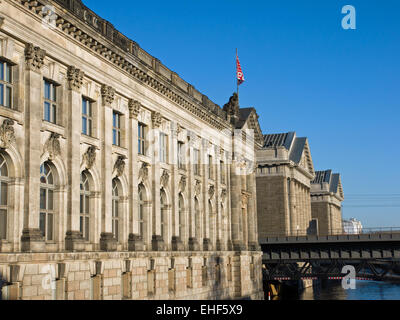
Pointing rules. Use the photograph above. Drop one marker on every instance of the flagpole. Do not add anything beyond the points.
(237, 81)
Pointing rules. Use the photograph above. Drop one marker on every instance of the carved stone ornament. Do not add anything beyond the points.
(89, 157)
(164, 178)
(144, 172)
(245, 199)
(211, 191)
(178, 128)
(52, 146)
(74, 77)
(156, 119)
(119, 165)
(7, 134)
(34, 57)
(197, 188)
(182, 184)
(134, 108)
(108, 94)
(232, 107)
(223, 195)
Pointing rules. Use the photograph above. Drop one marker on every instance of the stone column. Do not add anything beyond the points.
(135, 241)
(252, 213)
(217, 211)
(205, 186)
(73, 239)
(32, 239)
(236, 205)
(158, 243)
(176, 240)
(293, 220)
(107, 240)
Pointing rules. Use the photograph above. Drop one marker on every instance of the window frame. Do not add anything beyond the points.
(116, 217)
(163, 147)
(210, 167)
(47, 212)
(141, 206)
(4, 183)
(84, 217)
(87, 116)
(51, 101)
(116, 128)
(181, 155)
(196, 162)
(6, 83)
(142, 128)
(222, 171)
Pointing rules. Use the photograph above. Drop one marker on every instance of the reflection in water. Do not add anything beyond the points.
(365, 290)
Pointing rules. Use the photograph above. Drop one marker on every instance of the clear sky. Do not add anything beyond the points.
(304, 73)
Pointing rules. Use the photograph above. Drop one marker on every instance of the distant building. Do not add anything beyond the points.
(326, 202)
(284, 172)
(352, 226)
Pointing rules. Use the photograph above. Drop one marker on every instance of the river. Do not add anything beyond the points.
(365, 290)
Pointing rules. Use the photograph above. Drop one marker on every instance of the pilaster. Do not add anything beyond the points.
(107, 240)
(32, 238)
(74, 239)
(135, 240)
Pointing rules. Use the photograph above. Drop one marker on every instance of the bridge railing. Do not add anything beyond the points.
(335, 232)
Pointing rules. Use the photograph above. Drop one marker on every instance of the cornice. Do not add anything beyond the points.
(99, 36)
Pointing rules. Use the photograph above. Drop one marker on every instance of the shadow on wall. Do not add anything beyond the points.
(222, 289)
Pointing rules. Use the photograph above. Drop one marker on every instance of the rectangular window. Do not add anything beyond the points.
(210, 167)
(181, 155)
(116, 129)
(50, 102)
(6, 86)
(86, 117)
(222, 171)
(196, 162)
(141, 139)
(163, 147)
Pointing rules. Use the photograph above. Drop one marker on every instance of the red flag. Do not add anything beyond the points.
(239, 73)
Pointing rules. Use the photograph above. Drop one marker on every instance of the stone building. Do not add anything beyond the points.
(284, 173)
(326, 202)
(119, 180)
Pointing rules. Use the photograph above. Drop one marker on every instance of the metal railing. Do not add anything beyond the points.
(334, 232)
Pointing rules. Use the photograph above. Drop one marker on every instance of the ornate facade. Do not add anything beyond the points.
(119, 180)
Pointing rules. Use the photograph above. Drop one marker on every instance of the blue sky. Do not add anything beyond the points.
(303, 72)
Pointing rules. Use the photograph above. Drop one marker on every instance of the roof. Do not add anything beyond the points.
(333, 180)
(322, 176)
(279, 140)
(249, 116)
(244, 113)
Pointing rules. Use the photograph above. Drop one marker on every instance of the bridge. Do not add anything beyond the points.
(375, 255)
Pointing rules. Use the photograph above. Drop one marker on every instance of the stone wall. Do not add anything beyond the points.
(271, 205)
(122, 275)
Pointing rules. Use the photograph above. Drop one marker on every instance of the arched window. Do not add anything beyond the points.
(46, 222)
(163, 208)
(181, 207)
(84, 207)
(3, 197)
(115, 212)
(141, 210)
